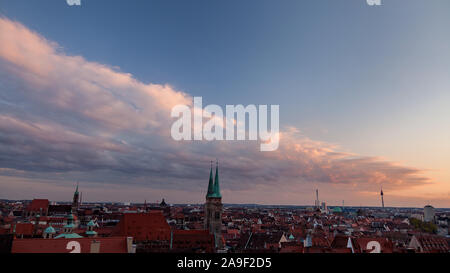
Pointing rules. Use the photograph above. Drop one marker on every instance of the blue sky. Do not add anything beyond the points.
(371, 80)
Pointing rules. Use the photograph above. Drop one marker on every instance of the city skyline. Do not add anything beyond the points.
(90, 102)
(149, 202)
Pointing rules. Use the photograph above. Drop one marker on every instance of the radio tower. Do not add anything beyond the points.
(316, 203)
(382, 199)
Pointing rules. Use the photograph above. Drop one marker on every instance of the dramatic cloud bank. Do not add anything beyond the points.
(63, 117)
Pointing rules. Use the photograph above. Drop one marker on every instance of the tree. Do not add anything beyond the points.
(427, 227)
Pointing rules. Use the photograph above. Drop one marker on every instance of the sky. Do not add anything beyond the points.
(364, 94)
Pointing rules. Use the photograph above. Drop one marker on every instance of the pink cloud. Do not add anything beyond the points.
(64, 113)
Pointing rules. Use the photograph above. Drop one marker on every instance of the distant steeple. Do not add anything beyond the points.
(382, 197)
(216, 182)
(76, 200)
(211, 183)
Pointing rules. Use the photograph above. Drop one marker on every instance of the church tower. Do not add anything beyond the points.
(76, 200)
(213, 208)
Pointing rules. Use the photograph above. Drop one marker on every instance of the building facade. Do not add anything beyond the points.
(428, 213)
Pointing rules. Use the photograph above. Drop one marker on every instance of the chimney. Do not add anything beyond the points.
(95, 246)
(131, 248)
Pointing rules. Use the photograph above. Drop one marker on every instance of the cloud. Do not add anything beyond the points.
(64, 117)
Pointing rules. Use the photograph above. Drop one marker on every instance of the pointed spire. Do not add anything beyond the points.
(216, 182)
(211, 183)
(76, 190)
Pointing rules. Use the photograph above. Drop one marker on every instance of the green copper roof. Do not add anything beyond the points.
(91, 223)
(70, 220)
(210, 184)
(69, 226)
(68, 236)
(216, 183)
(50, 229)
(213, 186)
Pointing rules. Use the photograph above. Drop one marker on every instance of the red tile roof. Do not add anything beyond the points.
(37, 204)
(151, 226)
(341, 241)
(291, 247)
(193, 241)
(370, 244)
(320, 241)
(4, 231)
(433, 244)
(23, 229)
(107, 245)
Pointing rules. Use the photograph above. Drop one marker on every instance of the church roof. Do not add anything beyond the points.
(50, 229)
(216, 192)
(214, 186)
(68, 236)
(211, 183)
(69, 226)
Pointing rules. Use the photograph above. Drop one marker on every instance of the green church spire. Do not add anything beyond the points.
(216, 183)
(211, 183)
